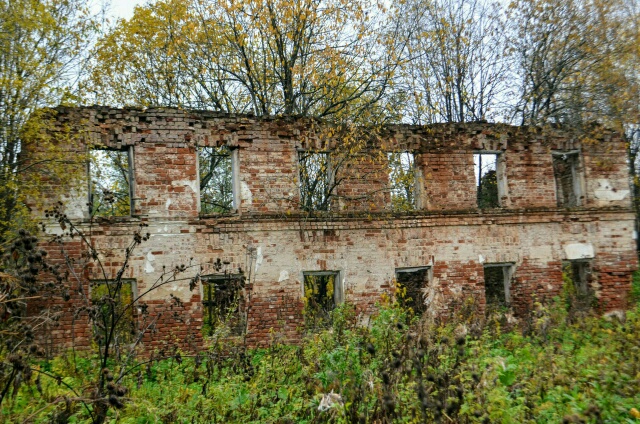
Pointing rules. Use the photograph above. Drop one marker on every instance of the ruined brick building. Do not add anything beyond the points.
(447, 211)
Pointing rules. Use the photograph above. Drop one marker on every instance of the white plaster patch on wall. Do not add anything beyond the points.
(245, 192)
(456, 290)
(579, 251)
(192, 184)
(259, 258)
(75, 204)
(167, 204)
(605, 191)
(481, 259)
(148, 267)
(53, 228)
(284, 275)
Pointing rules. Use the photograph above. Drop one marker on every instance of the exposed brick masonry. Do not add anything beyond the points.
(272, 241)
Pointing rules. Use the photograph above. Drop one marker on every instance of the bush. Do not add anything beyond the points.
(398, 369)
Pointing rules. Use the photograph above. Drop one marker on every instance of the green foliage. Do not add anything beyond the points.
(635, 287)
(113, 297)
(488, 191)
(394, 370)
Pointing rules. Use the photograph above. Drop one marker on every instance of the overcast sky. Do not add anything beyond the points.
(123, 8)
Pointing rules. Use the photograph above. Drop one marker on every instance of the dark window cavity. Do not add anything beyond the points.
(578, 274)
(322, 292)
(497, 284)
(411, 283)
(112, 302)
(566, 173)
(224, 305)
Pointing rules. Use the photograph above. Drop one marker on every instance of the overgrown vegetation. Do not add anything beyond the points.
(556, 366)
(35, 294)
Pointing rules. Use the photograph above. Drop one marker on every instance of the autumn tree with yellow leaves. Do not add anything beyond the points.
(267, 57)
(42, 47)
(578, 62)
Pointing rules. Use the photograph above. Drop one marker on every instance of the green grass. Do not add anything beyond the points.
(557, 366)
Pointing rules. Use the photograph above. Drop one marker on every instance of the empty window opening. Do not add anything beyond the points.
(224, 306)
(315, 181)
(411, 284)
(110, 176)
(322, 292)
(497, 284)
(216, 179)
(112, 311)
(565, 171)
(487, 180)
(402, 181)
(577, 274)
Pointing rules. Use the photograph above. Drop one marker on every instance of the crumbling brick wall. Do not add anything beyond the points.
(274, 243)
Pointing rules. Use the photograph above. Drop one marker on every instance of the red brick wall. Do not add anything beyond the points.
(167, 184)
(449, 181)
(273, 242)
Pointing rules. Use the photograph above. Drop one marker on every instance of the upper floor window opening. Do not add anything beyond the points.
(215, 167)
(316, 180)
(110, 182)
(566, 171)
(489, 175)
(402, 180)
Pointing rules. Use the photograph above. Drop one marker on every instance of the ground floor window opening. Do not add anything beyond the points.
(497, 285)
(411, 284)
(113, 299)
(224, 305)
(322, 293)
(577, 278)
